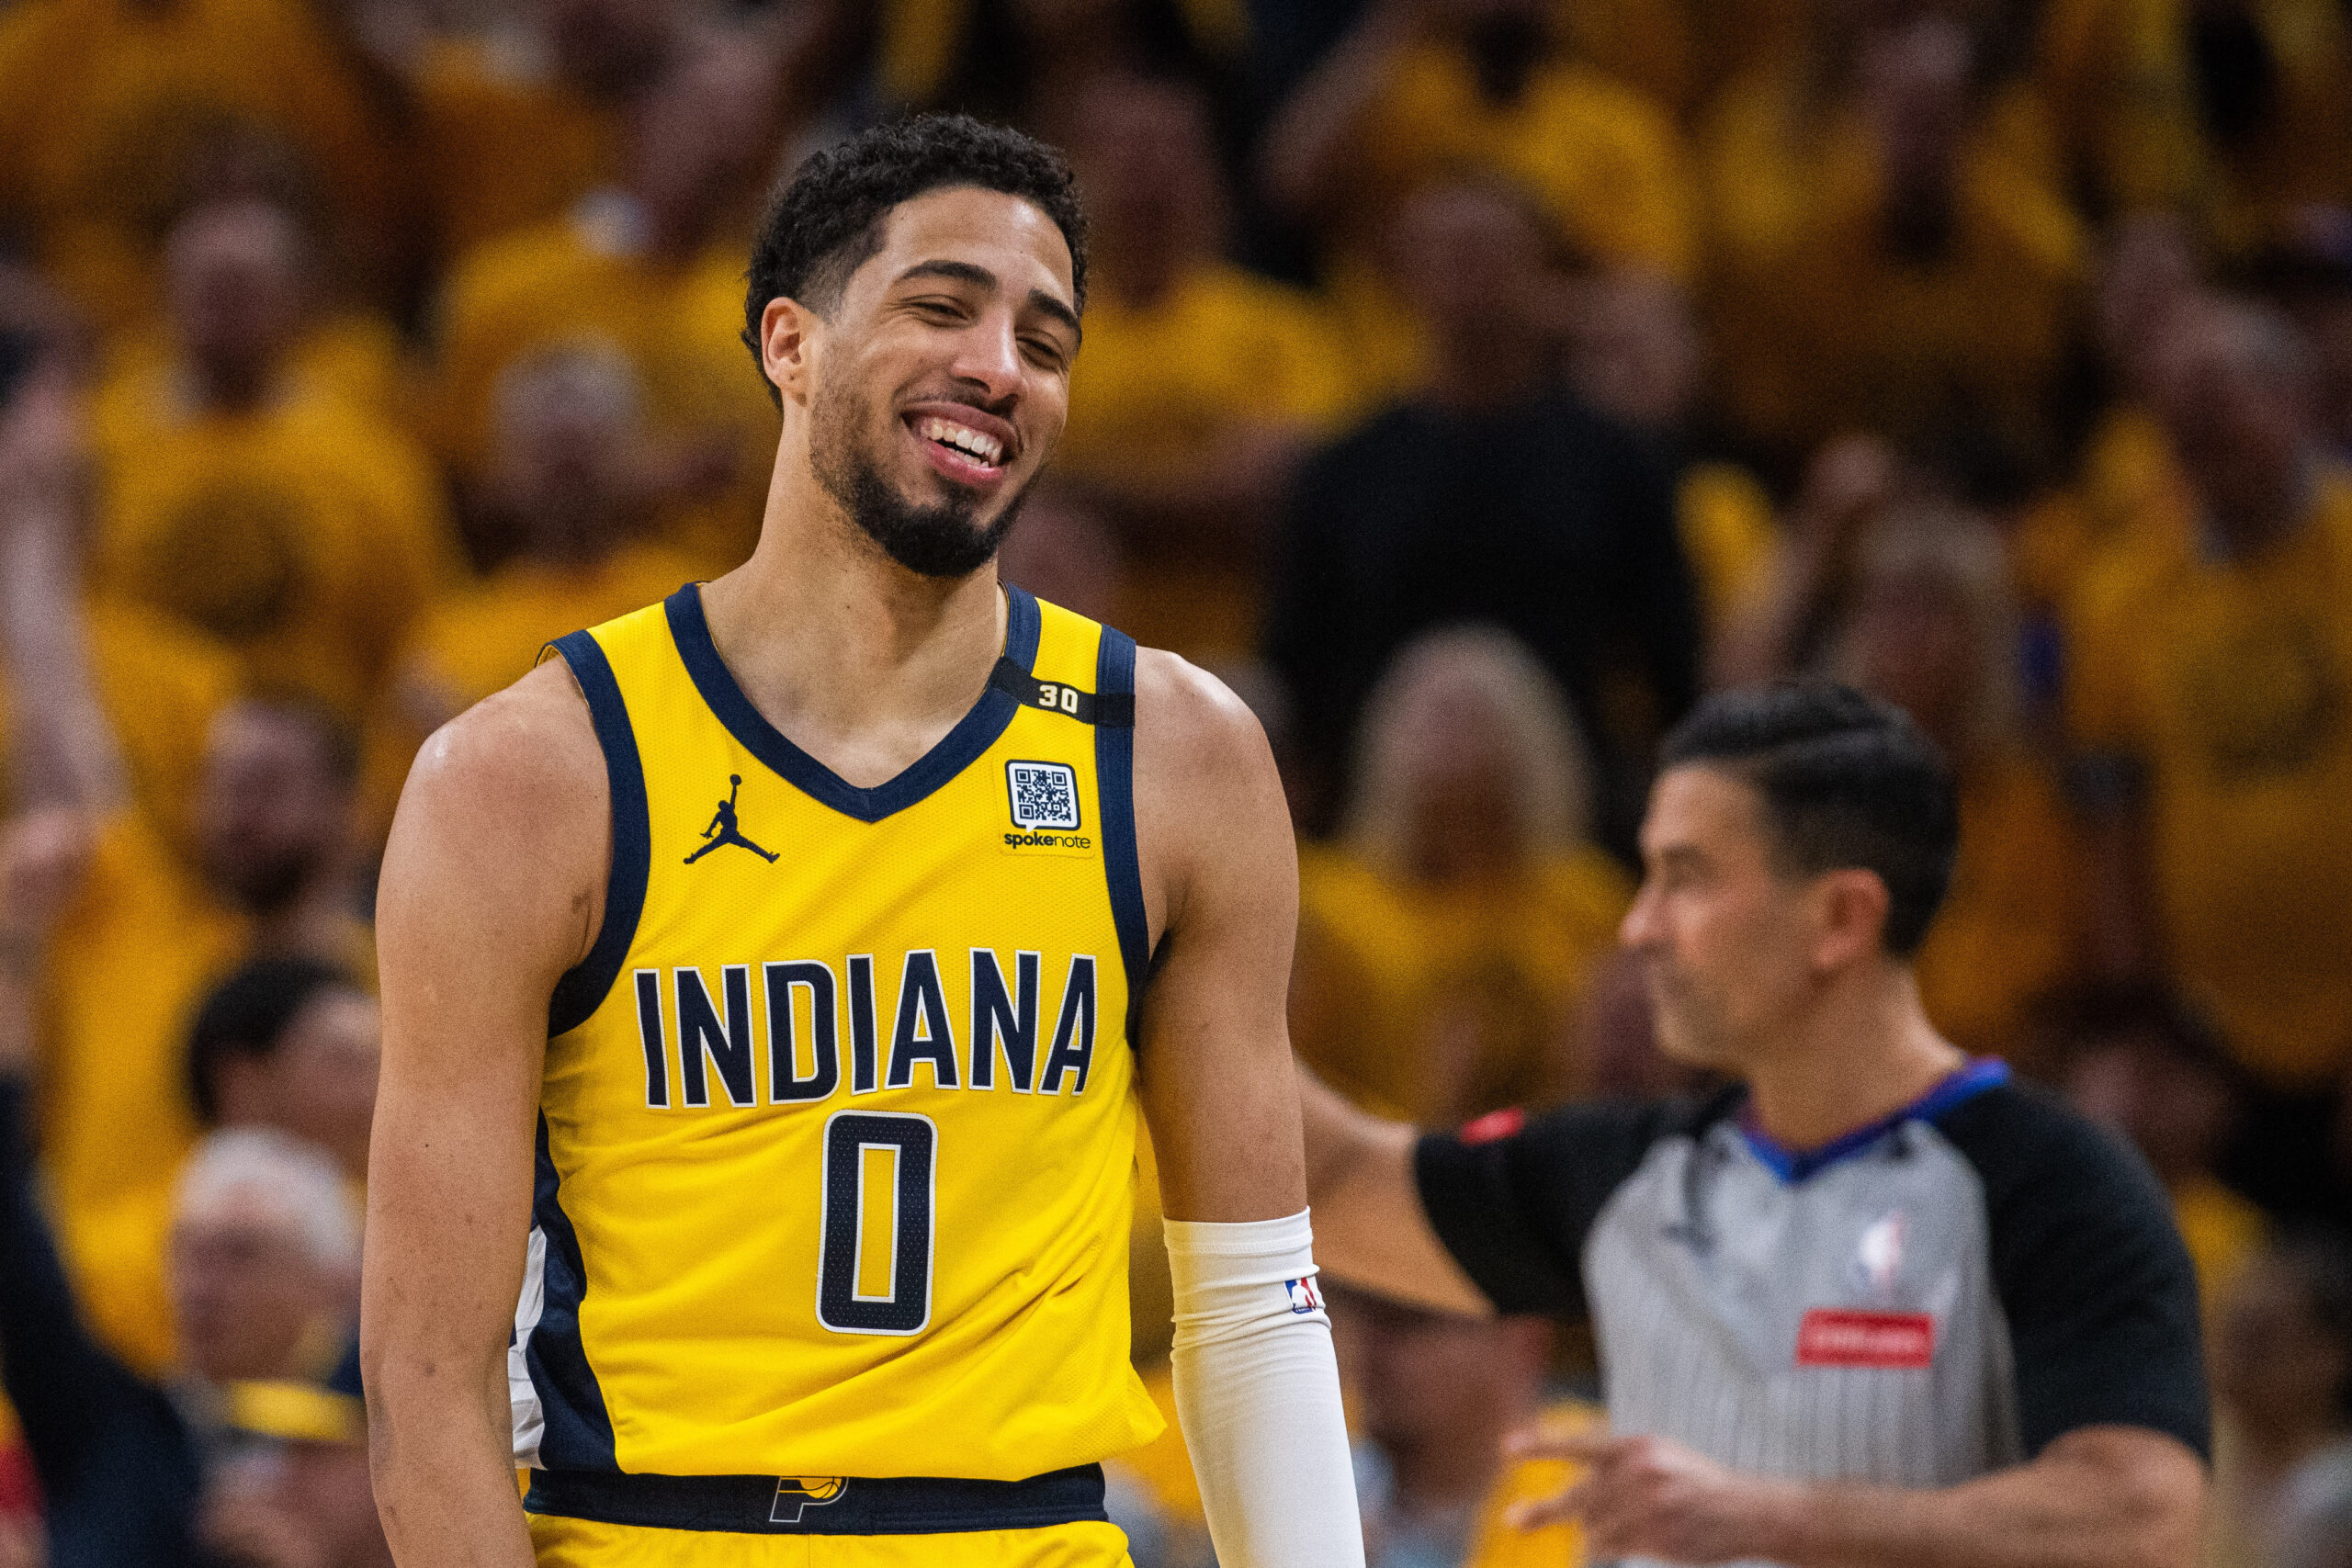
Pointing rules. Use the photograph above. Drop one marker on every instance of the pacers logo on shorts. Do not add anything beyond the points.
(1044, 801)
(797, 1493)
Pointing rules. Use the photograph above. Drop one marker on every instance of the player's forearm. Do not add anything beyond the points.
(443, 1467)
(2102, 1504)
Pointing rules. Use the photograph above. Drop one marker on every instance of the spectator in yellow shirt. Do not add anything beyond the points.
(2208, 698)
(1201, 386)
(1448, 934)
(1431, 1396)
(567, 481)
(110, 109)
(299, 531)
(1891, 254)
(654, 266)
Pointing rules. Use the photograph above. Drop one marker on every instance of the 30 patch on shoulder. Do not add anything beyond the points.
(1043, 794)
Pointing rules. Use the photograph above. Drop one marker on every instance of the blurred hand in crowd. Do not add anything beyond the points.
(295, 1505)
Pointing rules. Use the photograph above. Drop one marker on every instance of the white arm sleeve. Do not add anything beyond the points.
(1258, 1392)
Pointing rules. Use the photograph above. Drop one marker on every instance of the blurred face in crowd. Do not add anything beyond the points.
(1471, 260)
(2177, 1112)
(2236, 411)
(234, 281)
(1420, 1382)
(319, 1084)
(1912, 643)
(567, 452)
(1454, 746)
(250, 1296)
(705, 134)
(1914, 76)
(270, 811)
(2150, 273)
(1722, 933)
(608, 47)
(285, 1503)
(2276, 1367)
(1144, 160)
(942, 377)
(1636, 352)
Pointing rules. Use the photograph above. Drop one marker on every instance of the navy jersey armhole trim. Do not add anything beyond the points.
(577, 1433)
(1115, 781)
(583, 986)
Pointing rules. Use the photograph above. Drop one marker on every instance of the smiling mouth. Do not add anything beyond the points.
(973, 446)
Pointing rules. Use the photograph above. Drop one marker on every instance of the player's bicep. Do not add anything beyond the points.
(488, 885)
(1221, 876)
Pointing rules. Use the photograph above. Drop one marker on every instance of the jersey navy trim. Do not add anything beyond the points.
(579, 1430)
(957, 750)
(1115, 781)
(769, 1505)
(1957, 1088)
(583, 986)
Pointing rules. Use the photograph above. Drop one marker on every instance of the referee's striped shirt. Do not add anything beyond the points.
(1930, 1298)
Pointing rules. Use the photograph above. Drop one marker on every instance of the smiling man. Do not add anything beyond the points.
(764, 1004)
(1877, 1306)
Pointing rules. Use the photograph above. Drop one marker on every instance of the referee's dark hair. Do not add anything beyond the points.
(247, 1015)
(827, 219)
(1847, 781)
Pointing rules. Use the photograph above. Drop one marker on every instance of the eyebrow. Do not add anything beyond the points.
(966, 272)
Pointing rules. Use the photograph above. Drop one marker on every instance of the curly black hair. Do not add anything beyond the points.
(827, 219)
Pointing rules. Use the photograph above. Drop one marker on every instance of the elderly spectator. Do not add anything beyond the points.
(2282, 1377)
(252, 500)
(1452, 928)
(1200, 387)
(1433, 1394)
(1497, 497)
(2207, 694)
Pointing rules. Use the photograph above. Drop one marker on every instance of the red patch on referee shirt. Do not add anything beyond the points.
(1494, 1125)
(1828, 1337)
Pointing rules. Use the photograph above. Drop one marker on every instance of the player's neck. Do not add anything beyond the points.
(1863, 1051)
(860, 663)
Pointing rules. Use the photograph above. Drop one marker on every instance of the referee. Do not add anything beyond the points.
(1878, 1307)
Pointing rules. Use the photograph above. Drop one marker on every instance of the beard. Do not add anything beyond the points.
(937, 540)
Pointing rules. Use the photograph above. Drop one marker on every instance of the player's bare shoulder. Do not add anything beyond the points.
(1209, 802)
(506, 813)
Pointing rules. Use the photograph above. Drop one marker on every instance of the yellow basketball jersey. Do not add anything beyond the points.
(837, 1133)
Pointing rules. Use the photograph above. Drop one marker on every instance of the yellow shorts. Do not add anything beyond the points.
(585, 1544)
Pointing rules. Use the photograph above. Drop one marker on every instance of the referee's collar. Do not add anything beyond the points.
(1965, 1083)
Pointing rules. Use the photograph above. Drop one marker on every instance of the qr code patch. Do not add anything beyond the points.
(1045, 794)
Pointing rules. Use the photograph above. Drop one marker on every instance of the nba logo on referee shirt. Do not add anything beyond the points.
(1043, 794)
(1878, 1258)
(1303, 1299)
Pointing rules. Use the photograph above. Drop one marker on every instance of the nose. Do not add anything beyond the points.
(988, 358)
(1639, 929)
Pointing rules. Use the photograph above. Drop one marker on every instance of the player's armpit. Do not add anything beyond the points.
(491, 889)
(1220, 876)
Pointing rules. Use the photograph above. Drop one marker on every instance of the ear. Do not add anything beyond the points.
(1849, 917)
(787, 333)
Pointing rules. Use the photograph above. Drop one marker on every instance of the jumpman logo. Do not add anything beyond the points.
(722, 830)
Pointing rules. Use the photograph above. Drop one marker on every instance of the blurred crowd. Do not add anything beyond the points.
(1469, 383)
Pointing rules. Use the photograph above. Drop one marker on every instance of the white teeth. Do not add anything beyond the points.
(971, 443)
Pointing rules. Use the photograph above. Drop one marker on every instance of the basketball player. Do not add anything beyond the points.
(1878, 1306)
(799, 1113)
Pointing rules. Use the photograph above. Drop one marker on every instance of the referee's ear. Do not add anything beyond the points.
(1850, 906)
